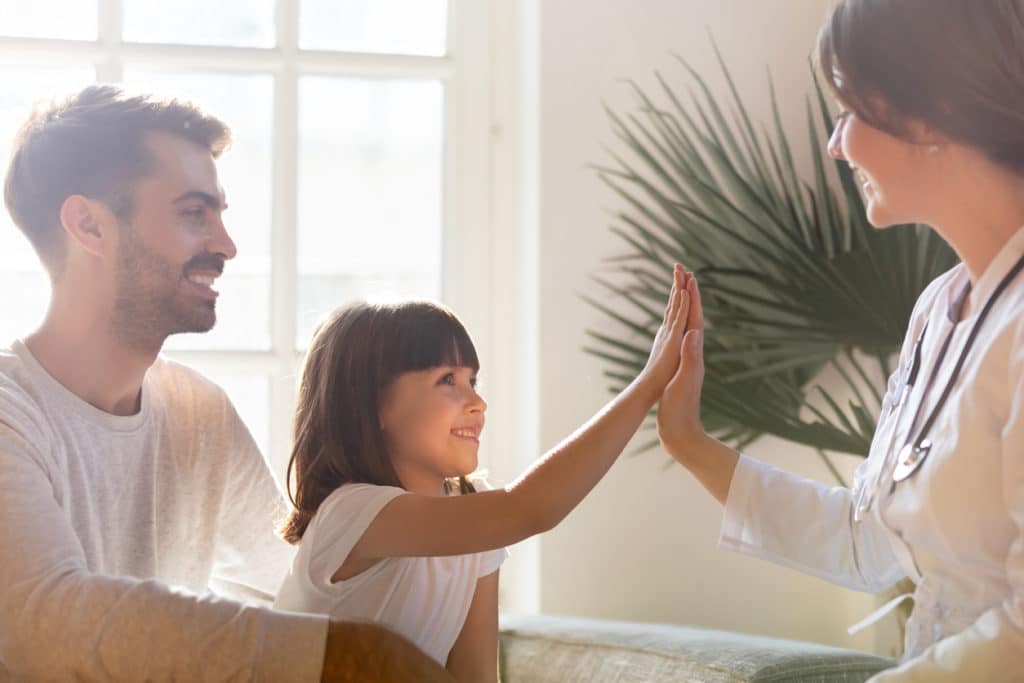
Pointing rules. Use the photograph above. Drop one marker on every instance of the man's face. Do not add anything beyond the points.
(173, 246)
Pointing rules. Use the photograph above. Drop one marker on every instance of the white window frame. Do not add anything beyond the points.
(466, 158)
(489, 256)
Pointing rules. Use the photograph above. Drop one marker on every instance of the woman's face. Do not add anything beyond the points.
(893, 173)
(432, 421)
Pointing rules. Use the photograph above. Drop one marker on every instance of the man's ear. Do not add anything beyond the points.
(88, 223)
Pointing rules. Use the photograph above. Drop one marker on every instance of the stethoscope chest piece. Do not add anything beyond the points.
(911, 457)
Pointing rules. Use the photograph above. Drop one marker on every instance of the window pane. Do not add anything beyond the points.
(244, 102)
(200, 22)
(412, 27)
(20, 271)
(370, 174)
(66, 19)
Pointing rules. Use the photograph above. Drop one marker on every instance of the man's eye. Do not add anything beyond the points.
(195, 214)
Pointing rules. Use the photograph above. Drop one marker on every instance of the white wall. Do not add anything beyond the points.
(643, 545)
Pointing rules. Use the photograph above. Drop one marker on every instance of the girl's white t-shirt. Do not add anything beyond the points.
(425, 599)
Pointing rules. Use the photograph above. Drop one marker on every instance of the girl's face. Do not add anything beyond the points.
(894, 175)
(432, 421)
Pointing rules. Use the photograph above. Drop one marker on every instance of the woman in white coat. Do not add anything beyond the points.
(931, 98)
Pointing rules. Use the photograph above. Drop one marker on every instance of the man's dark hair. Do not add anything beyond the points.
(93, 144)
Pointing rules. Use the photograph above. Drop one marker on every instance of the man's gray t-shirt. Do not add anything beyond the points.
(128, 543)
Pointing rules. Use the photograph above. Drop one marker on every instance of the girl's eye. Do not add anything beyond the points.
(448, 379)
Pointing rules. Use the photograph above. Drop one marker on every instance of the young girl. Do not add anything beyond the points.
(387, 430)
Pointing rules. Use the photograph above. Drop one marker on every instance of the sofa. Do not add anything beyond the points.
(550, 649)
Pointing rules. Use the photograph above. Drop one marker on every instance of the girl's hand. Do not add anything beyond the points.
(679, 424)
(665, 351)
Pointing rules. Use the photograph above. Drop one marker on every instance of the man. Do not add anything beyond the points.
(136, 510)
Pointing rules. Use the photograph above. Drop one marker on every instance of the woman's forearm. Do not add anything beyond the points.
(710, 461)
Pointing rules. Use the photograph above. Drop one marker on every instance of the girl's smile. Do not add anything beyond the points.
(469, 433)
(432, 420)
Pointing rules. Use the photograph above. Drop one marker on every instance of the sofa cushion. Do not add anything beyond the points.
(542, 649)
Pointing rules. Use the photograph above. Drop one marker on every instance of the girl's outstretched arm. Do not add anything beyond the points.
(415, 525)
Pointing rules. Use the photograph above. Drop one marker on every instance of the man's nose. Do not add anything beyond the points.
(221, 243)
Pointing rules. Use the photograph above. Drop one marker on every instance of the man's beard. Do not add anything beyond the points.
(151, 303)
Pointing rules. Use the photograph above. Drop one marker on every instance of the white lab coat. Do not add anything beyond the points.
(955, 527)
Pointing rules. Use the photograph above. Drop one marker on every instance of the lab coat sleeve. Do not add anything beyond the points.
(807, 526)
(992, 648)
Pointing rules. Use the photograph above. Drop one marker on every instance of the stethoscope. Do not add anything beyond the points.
(915, 451)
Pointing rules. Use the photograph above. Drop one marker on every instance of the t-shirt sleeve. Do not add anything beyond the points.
(341, 521)
(490, 560)
(250, 558)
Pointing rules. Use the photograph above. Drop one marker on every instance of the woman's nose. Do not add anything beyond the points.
(835, 144)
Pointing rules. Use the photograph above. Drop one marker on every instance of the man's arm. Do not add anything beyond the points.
(60, 621)
(368, 653)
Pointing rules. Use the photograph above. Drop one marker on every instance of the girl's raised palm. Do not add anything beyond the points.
(665, 351)
(679, 408)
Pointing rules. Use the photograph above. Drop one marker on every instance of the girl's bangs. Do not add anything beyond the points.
(429, 336)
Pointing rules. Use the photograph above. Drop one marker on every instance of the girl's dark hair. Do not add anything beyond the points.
(956, 65)
(355, 355)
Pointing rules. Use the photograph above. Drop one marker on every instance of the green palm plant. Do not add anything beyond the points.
(794, 280)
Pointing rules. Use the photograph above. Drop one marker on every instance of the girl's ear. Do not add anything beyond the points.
(384, 410)
(389, 401)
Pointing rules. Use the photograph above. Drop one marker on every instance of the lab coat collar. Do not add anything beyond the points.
(994, 273)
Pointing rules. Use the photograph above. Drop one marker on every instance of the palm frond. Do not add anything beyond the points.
(794, 279)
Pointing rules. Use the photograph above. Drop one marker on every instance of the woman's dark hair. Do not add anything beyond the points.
(355, 355)
(956, 65)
